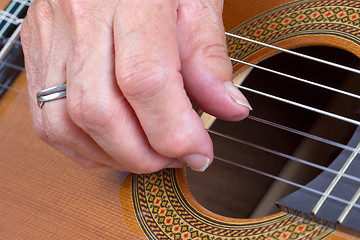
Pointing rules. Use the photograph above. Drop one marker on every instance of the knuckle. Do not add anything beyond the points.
(143, 78)
(78, 9)
(41, 12)
(175, 144)
(38, 27)
(92, 115)
(83, 16)
(214, 50)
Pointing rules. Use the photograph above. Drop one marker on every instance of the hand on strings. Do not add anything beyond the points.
(130, 69)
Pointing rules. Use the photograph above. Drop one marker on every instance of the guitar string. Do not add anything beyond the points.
(339, 117)
(9, 17)
(339, 174)
(297, 78)
(28, 2)
(283, 127)
(326, 141)
(13, 89)
(336, 65)
(9, 44)
(284, 155)
(350, 94)
(304, 134)
(6, 48)
(327, 193)
(337, 178)
(323, 195)
(13, 66)
(338, 199)
(267, 69)
(329, 114)
(25, 2)
(349, 207)
(334, 182)
(300, 105)
(21, 68)
(295, 104)
(4, 40)
(280, 73)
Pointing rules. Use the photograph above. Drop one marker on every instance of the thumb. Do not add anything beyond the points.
(206, 67)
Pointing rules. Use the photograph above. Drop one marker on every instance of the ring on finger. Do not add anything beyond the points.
(50, 94)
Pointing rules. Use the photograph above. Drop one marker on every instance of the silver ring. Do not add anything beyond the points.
(50, 94)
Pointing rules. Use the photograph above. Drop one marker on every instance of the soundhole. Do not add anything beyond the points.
(235, 192)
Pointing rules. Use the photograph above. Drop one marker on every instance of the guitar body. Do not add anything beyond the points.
(44, 195)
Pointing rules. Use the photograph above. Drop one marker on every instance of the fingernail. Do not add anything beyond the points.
(177, 164)
(197, 162)
(236, 95)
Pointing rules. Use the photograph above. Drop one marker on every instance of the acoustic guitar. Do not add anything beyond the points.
(43, 195)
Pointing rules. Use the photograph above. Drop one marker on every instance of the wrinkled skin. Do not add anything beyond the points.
(130, 67)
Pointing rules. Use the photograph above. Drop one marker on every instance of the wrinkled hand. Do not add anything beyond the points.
(130, 67)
